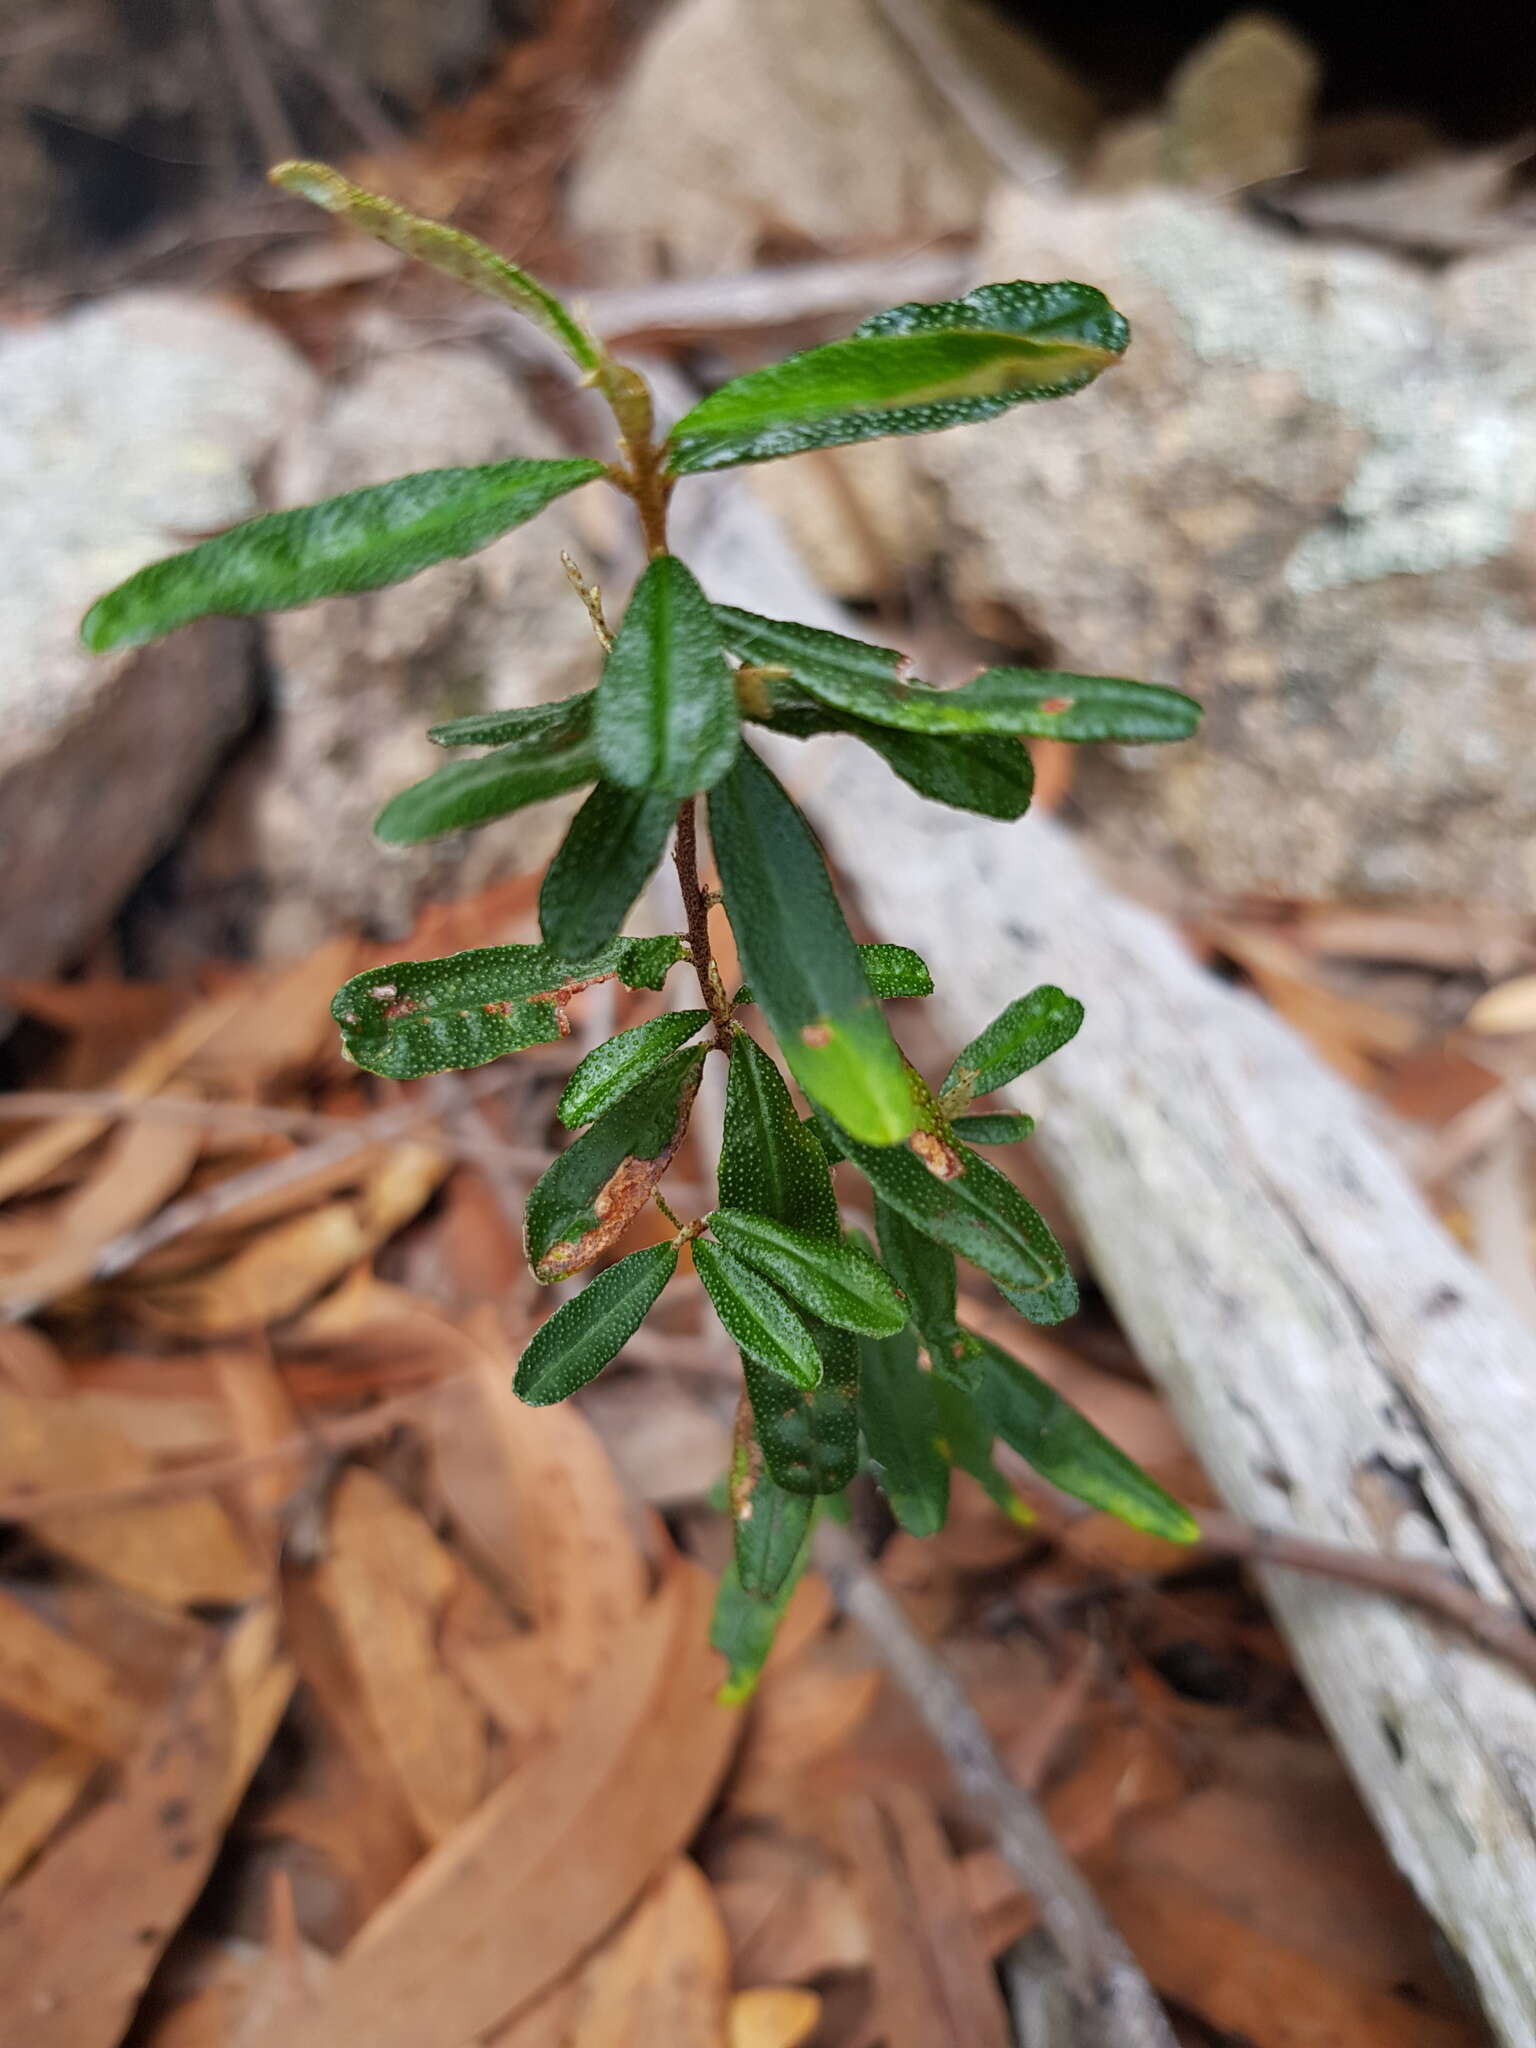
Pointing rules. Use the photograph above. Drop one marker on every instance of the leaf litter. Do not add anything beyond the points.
(422, 1674)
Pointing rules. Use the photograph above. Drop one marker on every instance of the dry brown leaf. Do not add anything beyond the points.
(934, 1986)
(258, 1406)
(39, 1803)
(1509, 1008)
(387, 1582)
(793, 1923)
(30, 1363)
(281, 1022)
(502, 1909)
(129, 1871)
(664, 1976)
(772, 2019)
(181, 1551)
(63, 1686)
(804, 1711)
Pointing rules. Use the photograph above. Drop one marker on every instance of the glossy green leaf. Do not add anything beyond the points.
(810, 1437)
(891, 971)
(1064, 1447)
(584, 1334)
(613, 847)
(924, 1272)
(1046, 1305)
(358, 542)
(902, 1430)
(470, 793)
(744, 1625)
(586, 1199)
(837, 1282)
(911, 370)
(966, 1442)
(610, 1070)
(977, 1212)
(416, 1017)
(770, 1526)
(530, 725)
(758, 1319)
(770, 1164)
(1004, 1127)
(870, 683)
(804, 968)
(1019, 1038)
(666, 717)
(446, 249)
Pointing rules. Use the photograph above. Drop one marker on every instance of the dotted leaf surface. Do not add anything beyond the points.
(586, 1333)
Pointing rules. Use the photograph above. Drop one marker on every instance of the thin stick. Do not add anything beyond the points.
(346, 93)
(259, 96)
(1113, 2002)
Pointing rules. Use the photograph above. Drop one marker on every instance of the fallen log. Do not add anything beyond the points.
(1340, 1367)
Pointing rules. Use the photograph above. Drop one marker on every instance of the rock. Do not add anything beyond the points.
(1240, 106)
(749, 125)
(1306, 496)
(123, 429)
(356, 681)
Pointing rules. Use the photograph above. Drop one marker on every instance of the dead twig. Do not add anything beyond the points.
(1114, 2005)
(346, 93)
(259, 96)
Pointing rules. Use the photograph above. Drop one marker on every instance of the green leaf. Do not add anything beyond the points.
(1064, 1447)
(810, 1438)
(469, 793)
(1005, 1127)
(911, 370)
(446, 249)
(891, 971)
(744, 1625)
(837, 1282)
(798, 955)
(358, 542)
(770, 1164)
(417, 1017)
(666, 717)
(870, 683)
(574, 1344)
(531, 725)
(613, 847)
(977, 1212)
(587, 1197)
(966, 1442)
(610, 1070)
(1019, 1038)
(900, 1419)
(1051, 1304)
(771, 1527)
(759, 1320)
(925, 1274)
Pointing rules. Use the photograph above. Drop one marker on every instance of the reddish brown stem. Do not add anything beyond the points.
(685, 854)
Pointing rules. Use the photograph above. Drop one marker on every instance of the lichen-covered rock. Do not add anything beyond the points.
(1307, 496)
(124, 430)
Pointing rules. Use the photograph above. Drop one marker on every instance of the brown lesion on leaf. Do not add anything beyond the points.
(816, 1036)
(619, 1200)
(940, 1158)
(1054, 706)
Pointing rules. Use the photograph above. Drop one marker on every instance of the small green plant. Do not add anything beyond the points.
(852, 1358)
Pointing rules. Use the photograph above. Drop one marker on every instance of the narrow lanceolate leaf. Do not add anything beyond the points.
(966, 1441)
(584, 1334)
(1047, 1305)
(610, 1070)
(900, 1419)
(837, 1282)
(771, 1527)
(891, 971)
(1065, 1448)
(1018, 1038)
(586, 1199)
(614, 846)
(666, 717)
(1005, 1127)
(909, 371)
(810, 1438)
(470, 793)
(446, 249)
(358, 542)
(417, 1017)
(802, 963)
(770, 1164)
(744, 1625)
(529, 725)
(757, 1317)
(976, 1212)
(870, 683)
(924, 1272)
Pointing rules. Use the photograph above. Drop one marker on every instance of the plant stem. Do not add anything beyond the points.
(685, 855)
